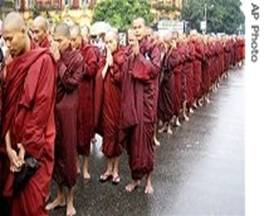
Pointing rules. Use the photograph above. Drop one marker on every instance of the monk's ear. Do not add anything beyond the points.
(23, 30)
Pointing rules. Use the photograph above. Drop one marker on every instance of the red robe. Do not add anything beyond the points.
(111, 105)
(70, 72)
(152, 54)
(29, 99)
(86, 100)
(206, 64)
(180, 77)
(45, 43)
(188, 73)
(197, 68)
(137, 129)
(167, 93)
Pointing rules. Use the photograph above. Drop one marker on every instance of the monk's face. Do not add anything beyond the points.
(39, 33)
(15, 40)
(139, 29)
(132, 39)
(63, 43)
(76, 41)
(111, 42)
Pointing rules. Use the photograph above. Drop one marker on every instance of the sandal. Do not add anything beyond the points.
(104, 178)
(116, 180)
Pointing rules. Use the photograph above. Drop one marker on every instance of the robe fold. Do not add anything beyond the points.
(70, 72)
(29, 99)
(111, 106)
(197, 68)
(136, 128)
(188, 74)
(45, 43)
(86, 127)
(167, 93)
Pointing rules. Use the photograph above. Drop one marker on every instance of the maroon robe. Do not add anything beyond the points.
(197, 69)
(151, 52)
(29, 99)
(139, 106)
(70, 72)
(206, 64)
(45, 43)
(86, 100)
(111, 105)
(137, 130)
(188, 73)
(167, 91)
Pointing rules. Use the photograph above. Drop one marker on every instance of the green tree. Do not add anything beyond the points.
(120, 13)
(222, 15)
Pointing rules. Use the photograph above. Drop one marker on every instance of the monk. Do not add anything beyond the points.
(40, 29)
(111, 72)
(167, 91)
(141, 152)
(150, 50)
(71, 67)
(28, 128)
(86, 127)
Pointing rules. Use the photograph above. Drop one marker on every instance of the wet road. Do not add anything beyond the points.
(199, 170)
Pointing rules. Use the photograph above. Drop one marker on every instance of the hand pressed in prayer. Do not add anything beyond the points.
(109, 58)
(55, 51)
(136, 48)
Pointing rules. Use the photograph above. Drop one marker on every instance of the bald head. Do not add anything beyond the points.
(41, 22)
(131, 37)
(76, 36)
(15, 34)
(62, 37)
(13, 22)
(63, 30)
(75, 31)
(111, 40)
(40, 29)
(139, 26)
(140, 21)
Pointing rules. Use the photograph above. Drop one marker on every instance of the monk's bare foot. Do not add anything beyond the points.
(178, 123)
(86, 176)
(207, 100)
(186, 118)
(149, 189)
(156, 142)
(195, 105)
(163, 129)
(71, 211)
(169, 131)
(191, 111)
(132, 186)
(58, 202)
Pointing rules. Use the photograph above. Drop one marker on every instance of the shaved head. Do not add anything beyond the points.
(13, 22)
(76, 36)
(139, 20)
(15, 34)
(63, 30)
(111, 40)
(139, 26)
(75, 30)
(40, 29)
(62, 37)
(42, 22)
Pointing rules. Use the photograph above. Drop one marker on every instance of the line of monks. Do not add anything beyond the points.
(58, 90)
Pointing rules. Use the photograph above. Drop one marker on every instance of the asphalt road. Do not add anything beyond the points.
(199, 169)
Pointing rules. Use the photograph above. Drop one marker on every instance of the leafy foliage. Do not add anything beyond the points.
(120, 13)
(225, 15)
